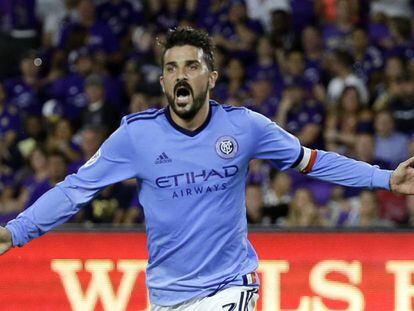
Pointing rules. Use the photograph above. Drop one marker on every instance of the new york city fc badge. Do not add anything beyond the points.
(226, 147)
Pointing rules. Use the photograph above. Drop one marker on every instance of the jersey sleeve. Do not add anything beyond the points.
(273, 143)
(112, 163)
(335, 168)
(284, 151)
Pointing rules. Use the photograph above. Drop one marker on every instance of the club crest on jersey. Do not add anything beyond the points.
(227, 147)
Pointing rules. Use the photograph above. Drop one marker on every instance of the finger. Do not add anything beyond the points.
(408, 162)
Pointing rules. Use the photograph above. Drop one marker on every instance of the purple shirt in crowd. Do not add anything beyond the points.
(99, 38)
(23, 96)
(372, 61)
(9, 119)
(118, 16)
(18, 15)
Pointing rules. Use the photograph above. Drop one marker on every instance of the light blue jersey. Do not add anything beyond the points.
(193, 193)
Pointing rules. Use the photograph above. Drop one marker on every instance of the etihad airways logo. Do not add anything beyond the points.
(192, 183)
(188, 178)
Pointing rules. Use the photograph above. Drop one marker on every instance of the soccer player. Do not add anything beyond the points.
(191, 159)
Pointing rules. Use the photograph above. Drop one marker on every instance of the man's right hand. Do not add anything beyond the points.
(5, 240)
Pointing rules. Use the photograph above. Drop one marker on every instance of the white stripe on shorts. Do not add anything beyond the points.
(236, 298)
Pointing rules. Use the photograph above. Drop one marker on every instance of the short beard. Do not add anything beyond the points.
(197, 104)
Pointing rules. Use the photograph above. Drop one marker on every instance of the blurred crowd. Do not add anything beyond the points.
(338, 74)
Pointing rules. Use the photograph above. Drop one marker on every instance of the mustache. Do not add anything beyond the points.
(185, 84)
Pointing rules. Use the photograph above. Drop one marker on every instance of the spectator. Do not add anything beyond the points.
(120, 16)
(36, 180)
(339, 208)
(341, 69)
(337, 34)
(326, 10)
(169, 13)
(301, 116)
(401, 105)
(368, 58)
(365, 150)
(277, 197)
(257, 172)
(54, 14)
(69, 90)
(367, 212)
(60, 140)
(294, 70)
(132, 215)
(239, 33)
(234, 83)
(262, 99)
(390, 81)
(303, 211)
(401, 37)
(390, 145)
(254, 203)
(99, 112)
(91, 137)
(281, 32)
(139, 102)
(265, 61)
(261, 10)
(144, 62)
(9, 120)
(344, 121)
(18, 33)
(389, 8)
(9, 206)
(215, 13)
(24, 90)
(34, 135)
(312, 46)
(48, 170)
(108, 206)
(89, 32)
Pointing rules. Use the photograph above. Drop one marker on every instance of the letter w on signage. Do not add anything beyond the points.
(100, 285)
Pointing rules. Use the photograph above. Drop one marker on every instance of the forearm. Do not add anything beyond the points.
(49, 211)
(344, 171)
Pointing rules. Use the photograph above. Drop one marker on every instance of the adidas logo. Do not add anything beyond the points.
(162, 158)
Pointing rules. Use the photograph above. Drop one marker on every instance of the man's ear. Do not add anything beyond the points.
(162, 83)
(212, 79)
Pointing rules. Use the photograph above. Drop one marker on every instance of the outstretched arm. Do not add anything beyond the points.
(338, 169)
(112, 163)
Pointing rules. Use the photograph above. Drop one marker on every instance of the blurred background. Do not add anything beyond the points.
(339, 74)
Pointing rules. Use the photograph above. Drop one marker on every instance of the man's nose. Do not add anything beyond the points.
(181, 74)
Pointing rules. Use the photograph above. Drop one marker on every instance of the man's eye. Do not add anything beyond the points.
(170, 69)
(193, 66)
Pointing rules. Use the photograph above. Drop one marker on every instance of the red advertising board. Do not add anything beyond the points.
(298, 271)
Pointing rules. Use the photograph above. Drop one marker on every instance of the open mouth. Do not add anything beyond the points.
(182, 94)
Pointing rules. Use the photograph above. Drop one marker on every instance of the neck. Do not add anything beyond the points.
(195, 122)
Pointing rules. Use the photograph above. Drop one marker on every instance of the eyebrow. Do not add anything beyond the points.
(187, 62)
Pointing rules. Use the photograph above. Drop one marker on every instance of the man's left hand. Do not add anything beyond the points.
(402, 179)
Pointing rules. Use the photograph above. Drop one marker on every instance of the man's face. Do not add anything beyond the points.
(186, 80)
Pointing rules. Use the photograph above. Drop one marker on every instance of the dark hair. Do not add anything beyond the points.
(190, 36)
(55, 153)
(343, 57)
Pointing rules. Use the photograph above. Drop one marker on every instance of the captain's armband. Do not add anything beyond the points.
(305, 161)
